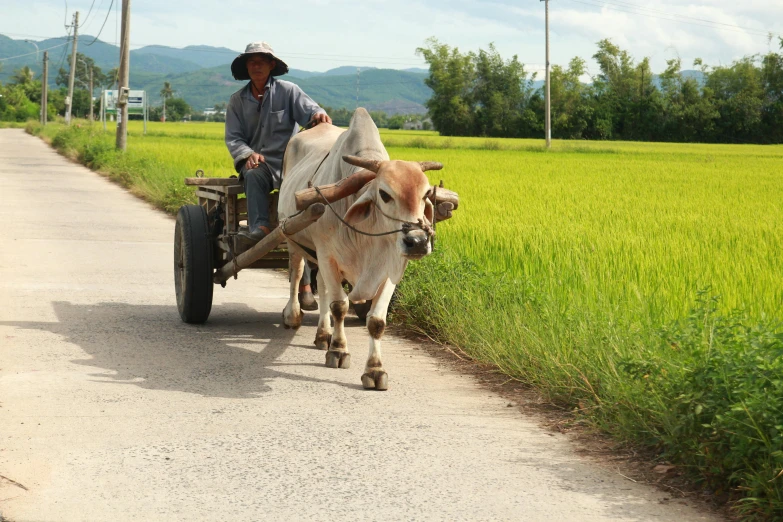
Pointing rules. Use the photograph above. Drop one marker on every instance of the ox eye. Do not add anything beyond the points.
(385, 196)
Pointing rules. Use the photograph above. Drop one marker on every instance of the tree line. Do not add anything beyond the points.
(481, 94)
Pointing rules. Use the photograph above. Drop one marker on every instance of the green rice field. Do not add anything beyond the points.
(640, 284)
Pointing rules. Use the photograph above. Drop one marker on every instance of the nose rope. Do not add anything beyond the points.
(407, 226)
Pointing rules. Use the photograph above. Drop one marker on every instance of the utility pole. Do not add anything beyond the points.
(548, 101)
(69, 99)
(124, 79)
(45, 88)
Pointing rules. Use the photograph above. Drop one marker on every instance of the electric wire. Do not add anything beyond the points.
(108, 12)
(34, 52)
(84, 22)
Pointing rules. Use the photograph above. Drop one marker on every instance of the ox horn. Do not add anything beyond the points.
(368, 164)
(430, 165)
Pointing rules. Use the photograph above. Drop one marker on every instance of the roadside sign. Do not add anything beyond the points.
(136, 101)
(137, 104)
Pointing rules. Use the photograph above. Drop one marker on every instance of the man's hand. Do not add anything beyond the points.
(321, 117)
(254, 160)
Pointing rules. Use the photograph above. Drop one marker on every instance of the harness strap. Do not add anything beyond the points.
(406, 225)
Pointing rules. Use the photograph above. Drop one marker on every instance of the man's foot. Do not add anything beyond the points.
(307, 301)
(254, 236)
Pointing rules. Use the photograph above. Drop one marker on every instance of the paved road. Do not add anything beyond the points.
(113, 409)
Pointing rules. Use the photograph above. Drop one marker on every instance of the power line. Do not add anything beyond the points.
(34, 52)
(108, 12)
(65, 52)
(88, 13)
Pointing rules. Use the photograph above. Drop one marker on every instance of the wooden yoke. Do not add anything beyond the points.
(446, 201)
(334, 191)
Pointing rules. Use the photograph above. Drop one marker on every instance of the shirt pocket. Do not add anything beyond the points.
(278, 119)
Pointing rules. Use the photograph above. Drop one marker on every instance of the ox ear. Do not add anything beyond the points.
(373, 165)
(360, 210)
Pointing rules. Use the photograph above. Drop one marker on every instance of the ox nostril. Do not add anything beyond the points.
(414, 241)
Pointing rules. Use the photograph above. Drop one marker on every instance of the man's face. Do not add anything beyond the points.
(259, 66)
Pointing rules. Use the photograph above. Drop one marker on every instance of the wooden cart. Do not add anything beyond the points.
(206, 248)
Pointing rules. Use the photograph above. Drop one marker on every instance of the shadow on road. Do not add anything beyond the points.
(233, 355)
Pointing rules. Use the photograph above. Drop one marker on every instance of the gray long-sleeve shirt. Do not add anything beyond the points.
(267, 131)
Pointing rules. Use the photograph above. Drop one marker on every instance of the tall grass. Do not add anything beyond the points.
(639, 283)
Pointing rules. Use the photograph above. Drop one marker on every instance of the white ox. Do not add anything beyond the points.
(397, 199)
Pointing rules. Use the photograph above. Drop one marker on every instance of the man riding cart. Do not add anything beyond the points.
(261, 118)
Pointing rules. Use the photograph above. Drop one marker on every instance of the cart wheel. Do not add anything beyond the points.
(193, 264)
(362, 309)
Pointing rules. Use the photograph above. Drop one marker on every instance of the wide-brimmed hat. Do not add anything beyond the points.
(239, 65)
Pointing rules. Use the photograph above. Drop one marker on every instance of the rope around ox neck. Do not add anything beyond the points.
(406, 225)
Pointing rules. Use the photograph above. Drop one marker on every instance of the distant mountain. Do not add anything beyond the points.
(686, 74)
(201, 75)
(298, 73)
(203, 56)
(347, 69)
(379, 89)
(105, 55)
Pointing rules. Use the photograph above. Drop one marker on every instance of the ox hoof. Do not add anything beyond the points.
(338, 360)
(375, 380)
(322, 343)
(296, 322)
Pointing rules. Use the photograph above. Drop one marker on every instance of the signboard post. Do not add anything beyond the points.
(137, 104)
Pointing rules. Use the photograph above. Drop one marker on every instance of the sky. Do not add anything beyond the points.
(318, 35)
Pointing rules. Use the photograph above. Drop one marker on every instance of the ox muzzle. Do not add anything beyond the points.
(416, 241)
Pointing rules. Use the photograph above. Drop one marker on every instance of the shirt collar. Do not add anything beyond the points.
(267, 86)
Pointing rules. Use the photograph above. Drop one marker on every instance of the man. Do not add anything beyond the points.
(260, 120)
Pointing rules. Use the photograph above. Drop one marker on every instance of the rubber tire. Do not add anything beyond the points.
(193, 264)
(362, 309)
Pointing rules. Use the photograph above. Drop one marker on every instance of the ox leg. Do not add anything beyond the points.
(323, 336)
(337, 355)
(292, 313)
(374, 376)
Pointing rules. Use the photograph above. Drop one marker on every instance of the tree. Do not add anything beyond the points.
(451, 79)
(166, 93)
(178, 109)
(688, 114)
(572, 109)
(15, 104)
(220, 112)
(22, 76)
(111, 78)
(82, 74)
(498, 94)
(772, 108)
(738, 96)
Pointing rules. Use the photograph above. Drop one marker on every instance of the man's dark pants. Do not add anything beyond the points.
(258, 185)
